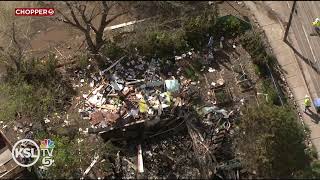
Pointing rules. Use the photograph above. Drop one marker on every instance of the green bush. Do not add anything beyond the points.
(180, 43)
(230, 26)
(35, 91)
(253, 44)
(269, 89)
(162, 43)
(271, 140)
(196, 29)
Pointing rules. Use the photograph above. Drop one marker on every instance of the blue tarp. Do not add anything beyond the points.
(316, 102)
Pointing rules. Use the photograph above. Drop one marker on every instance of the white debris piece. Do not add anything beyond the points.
(95, 160)
(140, 160)
(79, 140)
(85, 132)
(97, 99)
(139, 96)
(67, 123)
(43, 168)
(117, 86)
(242, 101)
(213, 84)
(211, 69)
(189, 53)
(82, 80)
(92, 84)
(97, 89)
(46, 120)
(177, 57)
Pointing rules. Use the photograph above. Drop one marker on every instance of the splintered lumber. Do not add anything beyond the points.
(202, 152)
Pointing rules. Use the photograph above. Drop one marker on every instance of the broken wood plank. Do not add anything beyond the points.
(114, 64)
(95, 160)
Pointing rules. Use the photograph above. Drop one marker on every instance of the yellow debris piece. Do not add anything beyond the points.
(143, 107)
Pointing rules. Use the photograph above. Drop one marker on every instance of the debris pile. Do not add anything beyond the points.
(143, 103)
(127, 92)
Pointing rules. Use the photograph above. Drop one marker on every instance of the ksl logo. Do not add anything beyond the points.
(26, 152)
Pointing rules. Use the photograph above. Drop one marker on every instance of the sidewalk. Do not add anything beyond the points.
(288, 62)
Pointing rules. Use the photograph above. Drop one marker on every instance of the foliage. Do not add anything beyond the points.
(83, 62)
(112, 51)
(264, 61)
(110, 151)
(272, 142)
(162, 43)
(231, 26)
(269, 89)
(190, 74)
(168, 9)
(166, 39)
(66, 157)
(35, 91)
(198, 29)
(253, 43)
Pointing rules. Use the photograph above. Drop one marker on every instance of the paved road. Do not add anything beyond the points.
(307, 47)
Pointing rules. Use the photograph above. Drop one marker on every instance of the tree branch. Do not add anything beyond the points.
(73, 15)
(115, 17)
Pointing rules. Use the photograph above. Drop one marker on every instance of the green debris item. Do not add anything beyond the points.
(172, 85)
(143, 107)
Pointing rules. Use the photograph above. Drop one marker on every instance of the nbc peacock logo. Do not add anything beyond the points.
(47, 144)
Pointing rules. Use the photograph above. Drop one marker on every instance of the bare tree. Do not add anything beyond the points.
(12, 55)
(81, 15)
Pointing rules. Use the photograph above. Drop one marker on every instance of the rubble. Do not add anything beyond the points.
(134, 100)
